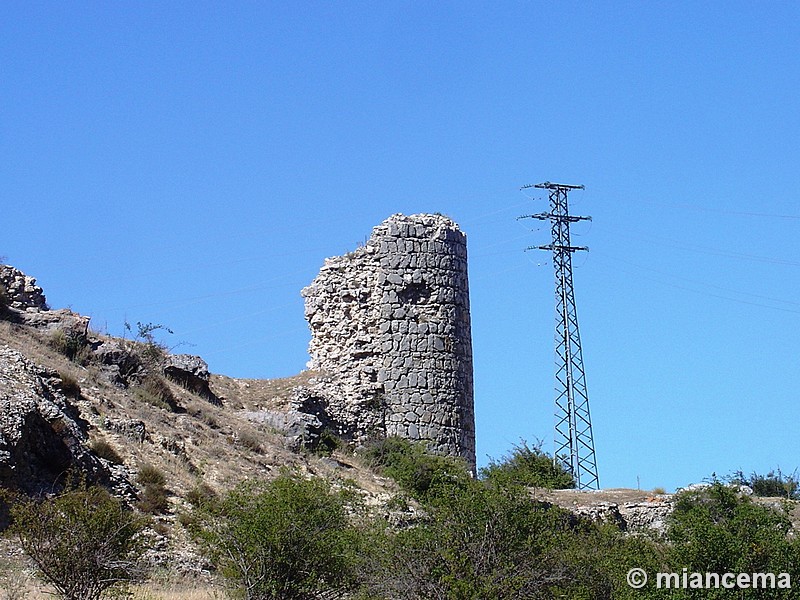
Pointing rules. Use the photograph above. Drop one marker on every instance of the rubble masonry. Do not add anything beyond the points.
(390, 327)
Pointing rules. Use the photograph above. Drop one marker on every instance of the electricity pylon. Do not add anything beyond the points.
(574, 443)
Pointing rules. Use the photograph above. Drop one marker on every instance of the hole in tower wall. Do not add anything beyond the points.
(414, 293)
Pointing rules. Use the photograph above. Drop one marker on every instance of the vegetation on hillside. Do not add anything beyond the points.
(774, 484)
(303, 538)
(289, 539)
(84, 542)
(473, 539)
(528, 466)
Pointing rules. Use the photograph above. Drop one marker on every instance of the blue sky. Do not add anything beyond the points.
(192, 164)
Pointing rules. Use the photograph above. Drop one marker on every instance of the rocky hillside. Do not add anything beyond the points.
(74, 400)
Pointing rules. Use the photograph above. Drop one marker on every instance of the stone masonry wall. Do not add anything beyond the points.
(390, 327)
(21, 290)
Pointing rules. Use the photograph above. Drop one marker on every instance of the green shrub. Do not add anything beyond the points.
(477, 542)
(154, 497)
(105, 450)
(84, 542)
(773, 484)
(417, 472)
(528, 466)
(597, 557)
(284, 540)
(718, 530)
(328, 442)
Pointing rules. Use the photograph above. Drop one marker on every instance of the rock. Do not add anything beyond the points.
(129, 428)
(26, 305)
(21, 290)
(694, 487)
(301, 429)
(41, 433)
(120, 364)
(601, 512)
(63, 320)
(191, 372)
(646, 516)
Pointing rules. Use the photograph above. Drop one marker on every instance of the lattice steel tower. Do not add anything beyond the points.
(574, 443)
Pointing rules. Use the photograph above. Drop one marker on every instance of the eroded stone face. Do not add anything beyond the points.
(41, 433)
(390, 327)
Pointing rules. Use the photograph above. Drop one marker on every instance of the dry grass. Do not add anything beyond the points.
(177, 589)
(20, 585)
(214, 446)
(222, 447)
(259, 394)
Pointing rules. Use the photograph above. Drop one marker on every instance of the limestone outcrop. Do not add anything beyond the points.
(390, 327)
(42, 435)
(26, 304)
(191, 372)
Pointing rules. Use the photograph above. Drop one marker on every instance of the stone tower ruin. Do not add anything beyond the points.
(391, 337)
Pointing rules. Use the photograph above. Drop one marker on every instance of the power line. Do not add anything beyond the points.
(721, 211)
(680, 245)
(706, 284)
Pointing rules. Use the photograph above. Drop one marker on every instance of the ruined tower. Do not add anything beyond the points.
(390, 328)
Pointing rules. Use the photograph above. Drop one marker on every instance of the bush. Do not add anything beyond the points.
(284, 540)
(105, 450)
(201, 495)
(250, 440)
(417, 472)
(597, 557)
(151, 350)
(718, 530)
(773, 484)
(154, 495)
(477, 542)
(328, 442)
(84, 542)
(528, 466)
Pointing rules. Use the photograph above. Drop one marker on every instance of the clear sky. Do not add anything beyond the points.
(193, 163)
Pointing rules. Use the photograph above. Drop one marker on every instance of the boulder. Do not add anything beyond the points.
(26, 304)
(191, 372)
(302, 430)
(119, 364)
(63, 320)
